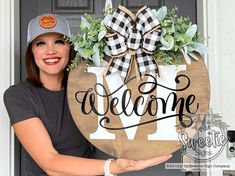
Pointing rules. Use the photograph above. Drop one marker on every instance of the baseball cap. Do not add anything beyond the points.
(47, 23)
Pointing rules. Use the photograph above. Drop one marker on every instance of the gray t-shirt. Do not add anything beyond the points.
(24, 101)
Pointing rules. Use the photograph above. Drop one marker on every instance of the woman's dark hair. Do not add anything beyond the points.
(33, 70)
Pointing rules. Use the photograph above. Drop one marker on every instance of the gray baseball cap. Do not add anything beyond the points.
(47, 23)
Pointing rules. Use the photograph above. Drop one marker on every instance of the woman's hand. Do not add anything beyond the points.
(125, 165)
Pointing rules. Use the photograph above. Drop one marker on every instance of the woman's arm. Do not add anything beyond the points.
(36, 140)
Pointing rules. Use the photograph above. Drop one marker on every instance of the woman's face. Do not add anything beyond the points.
(51, 54)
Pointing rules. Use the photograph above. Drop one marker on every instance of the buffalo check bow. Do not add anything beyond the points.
(132, 38)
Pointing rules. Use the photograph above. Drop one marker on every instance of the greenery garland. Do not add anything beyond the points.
(179, 39)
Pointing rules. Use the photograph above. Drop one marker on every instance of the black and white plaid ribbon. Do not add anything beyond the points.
(132, 37)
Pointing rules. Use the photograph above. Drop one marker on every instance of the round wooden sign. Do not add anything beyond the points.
(138, 119)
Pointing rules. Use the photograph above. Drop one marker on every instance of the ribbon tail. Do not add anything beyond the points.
(106, 70)
(146, 62)
(137, 72)
(119, 64)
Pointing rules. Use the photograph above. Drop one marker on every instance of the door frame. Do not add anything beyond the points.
(10, 68)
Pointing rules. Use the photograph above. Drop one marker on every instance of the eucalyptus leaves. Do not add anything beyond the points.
(90, 46)
(179, 39)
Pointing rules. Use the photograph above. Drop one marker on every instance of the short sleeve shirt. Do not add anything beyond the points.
(24, 101)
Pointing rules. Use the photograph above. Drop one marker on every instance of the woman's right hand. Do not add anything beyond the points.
(125, 165)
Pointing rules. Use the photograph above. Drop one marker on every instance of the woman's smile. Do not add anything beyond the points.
(52, 60)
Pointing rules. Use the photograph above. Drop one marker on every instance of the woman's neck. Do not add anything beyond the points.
(52, 82)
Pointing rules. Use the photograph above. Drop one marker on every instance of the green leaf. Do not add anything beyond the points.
(199, 47)
(101, 35)
(85, 23)
(191, 31)
(102, 27)
(194, 56)
(163, 32)
(107, 18)
(185, 54)
(107, 51)
(87, 53)
(96, 47)
(170, 30)
(167, 45)
(81, 52)
(96, 58)
(92, 38)
(84, 36)
(161, 13)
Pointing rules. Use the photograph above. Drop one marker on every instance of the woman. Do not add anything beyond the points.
(39, 113)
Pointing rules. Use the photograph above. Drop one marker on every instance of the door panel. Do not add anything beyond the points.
(72, 11)
(72, 6)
